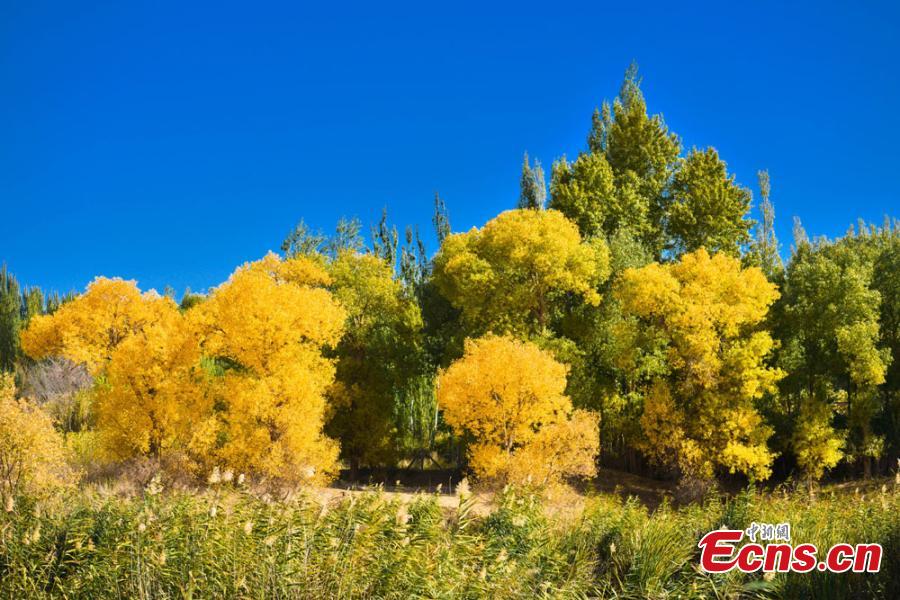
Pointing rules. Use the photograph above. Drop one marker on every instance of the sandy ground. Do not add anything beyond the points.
(648, 491)
(331, 495)
(569, 502)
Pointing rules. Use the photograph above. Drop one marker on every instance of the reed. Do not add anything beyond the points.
(229, 543)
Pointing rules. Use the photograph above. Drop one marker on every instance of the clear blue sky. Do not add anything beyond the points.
(169, 142)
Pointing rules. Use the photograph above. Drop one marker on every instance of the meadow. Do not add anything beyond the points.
(228, 542)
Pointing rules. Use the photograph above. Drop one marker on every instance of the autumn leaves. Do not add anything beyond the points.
(527, 269)
(706, 309)
(239, 380)
(291, 362)
(509, 397)
(507, 394)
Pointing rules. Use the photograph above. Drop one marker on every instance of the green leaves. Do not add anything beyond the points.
(835, 332)
(377, 356)
(708, 209)
(533, 189)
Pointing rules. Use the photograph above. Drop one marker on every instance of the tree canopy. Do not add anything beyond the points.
(646, 303)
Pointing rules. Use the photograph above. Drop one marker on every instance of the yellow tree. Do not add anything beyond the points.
(509, 276)
(32, 454)
(816, 444)
(707, 310)
(89, 328)
(508, 397)
(153, 393)
(266, 328)
(145, 358)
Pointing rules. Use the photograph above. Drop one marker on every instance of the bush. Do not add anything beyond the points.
(226, 543)
(32, 454)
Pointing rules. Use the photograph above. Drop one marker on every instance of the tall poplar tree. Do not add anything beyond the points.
(10, 319)
(764, 251)
(533, 189)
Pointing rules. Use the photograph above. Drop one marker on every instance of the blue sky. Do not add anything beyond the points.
(170, 142)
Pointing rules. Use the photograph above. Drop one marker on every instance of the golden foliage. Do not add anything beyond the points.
(564, 447)
(509, 396)
(153, 392)
(32, 453)
(266, 326)
(707, 309)
(506, 276)
(147, 360)
(816, 444)
(88, 329)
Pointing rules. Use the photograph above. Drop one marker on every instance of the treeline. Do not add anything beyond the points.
(632, 315)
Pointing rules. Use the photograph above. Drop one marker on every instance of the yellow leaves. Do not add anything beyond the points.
(365, 286)
(857, 343)
(301, 270)
(32, 453)
(153, 391)
(255, 315)
(732, 296)
(146, 353)
(566, 447)
(707, 307)
(510, 397)
(714, 284)
(506, 276)
(650, 291)
(815, 443)
(662, 424)
(88, 329)
(501, 388)
(268, 324)
(745, 450)
(741, 362)
(704, 304)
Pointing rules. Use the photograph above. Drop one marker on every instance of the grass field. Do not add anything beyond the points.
(227, 542)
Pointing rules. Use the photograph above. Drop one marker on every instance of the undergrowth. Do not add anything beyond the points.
(232, 544)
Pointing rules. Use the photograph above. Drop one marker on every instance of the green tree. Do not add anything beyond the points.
(708, 209)
(828, 327)
(886, 280)
(414, 263)
(417, 418)
(616, 358)
(533, 189)
(385, 240)
(18, 305)
(377, 355)
(347, 237)
(441, 219)
(765, 251)
(641, 151)
(10, 319)
(586, 192)
(302, 241)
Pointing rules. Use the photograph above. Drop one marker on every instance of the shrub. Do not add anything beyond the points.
(32, 453)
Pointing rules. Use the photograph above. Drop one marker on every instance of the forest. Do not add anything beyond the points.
(632, 312)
